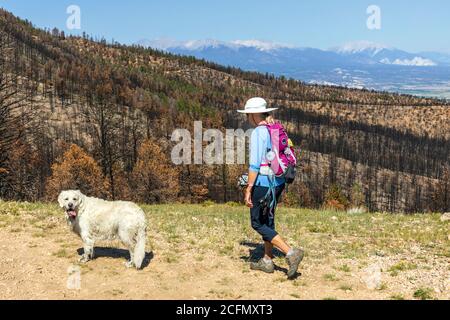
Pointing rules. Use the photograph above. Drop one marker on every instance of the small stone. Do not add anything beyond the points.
(372, 277)
(334, 218)
(380, 253)
(445, 217)
(357, 210)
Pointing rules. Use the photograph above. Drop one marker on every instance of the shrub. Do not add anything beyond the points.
(122, 188)
(208, 203)
(334, 205)
(357, 198)
(335, 199)
(291, 199)
(155, 178)
(76, 171)
(19, 179)
(298, 195)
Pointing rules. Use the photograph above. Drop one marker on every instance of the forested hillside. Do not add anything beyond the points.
(82, 113)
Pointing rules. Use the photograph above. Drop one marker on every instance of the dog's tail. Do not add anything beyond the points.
(139, 249)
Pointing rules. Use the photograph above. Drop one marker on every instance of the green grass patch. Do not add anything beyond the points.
(38, 235)
(383, 286)
(117, 292)
(330, 277)
(62, 253)
(345, 287)
(344, 268)
(423, 294)
(401, 266)
(171, 258)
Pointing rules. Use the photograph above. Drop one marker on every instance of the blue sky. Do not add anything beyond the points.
(410, 25)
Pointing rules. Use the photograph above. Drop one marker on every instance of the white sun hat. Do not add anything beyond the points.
(256, 105)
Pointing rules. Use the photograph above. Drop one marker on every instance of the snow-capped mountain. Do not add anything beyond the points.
(261, 45)
(361, 64)
(358, 47)
(195, 45)
(167, 44)
(370, 52)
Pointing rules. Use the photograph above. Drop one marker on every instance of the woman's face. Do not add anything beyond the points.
(252, 119)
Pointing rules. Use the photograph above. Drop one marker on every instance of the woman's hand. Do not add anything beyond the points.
(252, 176)
(248, 197)
(270, 120)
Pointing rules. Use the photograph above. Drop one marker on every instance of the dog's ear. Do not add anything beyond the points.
(61, 199)
(80, 196)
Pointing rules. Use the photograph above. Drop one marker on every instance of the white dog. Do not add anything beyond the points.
(96, 219)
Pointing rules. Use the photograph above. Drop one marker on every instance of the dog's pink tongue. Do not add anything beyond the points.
(72, 214)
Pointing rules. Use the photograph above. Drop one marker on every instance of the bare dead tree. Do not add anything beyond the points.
(17, 99)
(104, 126)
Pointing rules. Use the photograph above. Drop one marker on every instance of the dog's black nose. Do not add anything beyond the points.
(70, 205)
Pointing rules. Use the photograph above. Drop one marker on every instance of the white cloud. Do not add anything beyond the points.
(417, 61)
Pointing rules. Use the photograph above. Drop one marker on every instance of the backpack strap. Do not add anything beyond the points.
(271, 193)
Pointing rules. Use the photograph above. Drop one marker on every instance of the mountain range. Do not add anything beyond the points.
(359, 64)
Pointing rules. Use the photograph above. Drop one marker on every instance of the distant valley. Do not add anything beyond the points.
(355, 65)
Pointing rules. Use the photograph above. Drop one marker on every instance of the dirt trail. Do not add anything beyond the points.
(37, 268)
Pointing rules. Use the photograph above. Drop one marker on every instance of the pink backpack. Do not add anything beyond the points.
(281, 157)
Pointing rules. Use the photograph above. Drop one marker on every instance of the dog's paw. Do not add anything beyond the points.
(83, 259)
(129, 264)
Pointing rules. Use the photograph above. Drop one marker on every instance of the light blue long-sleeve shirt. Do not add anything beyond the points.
(259, 145)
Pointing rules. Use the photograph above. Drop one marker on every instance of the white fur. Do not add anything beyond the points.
(98, 219)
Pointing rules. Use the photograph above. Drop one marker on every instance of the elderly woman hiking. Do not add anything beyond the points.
(264, 189)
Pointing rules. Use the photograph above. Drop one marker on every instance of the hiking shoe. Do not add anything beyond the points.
(293, 261)
(263, 265)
